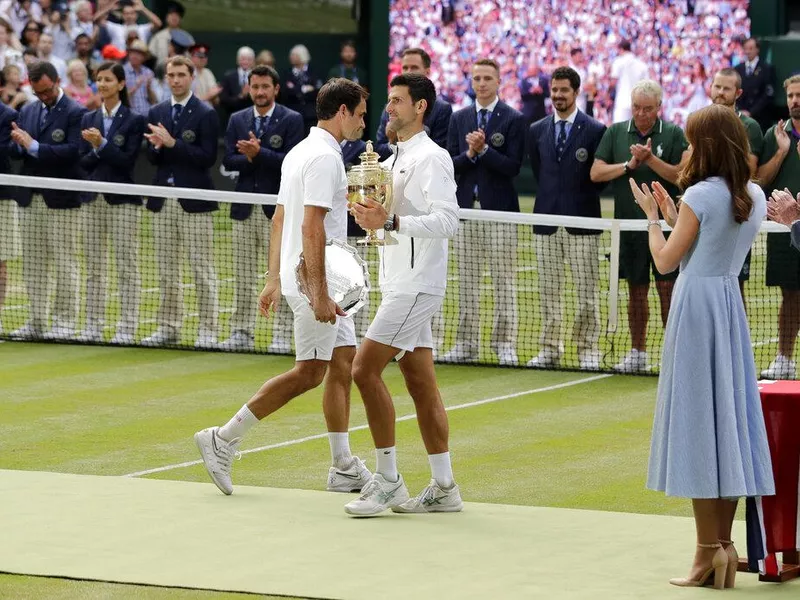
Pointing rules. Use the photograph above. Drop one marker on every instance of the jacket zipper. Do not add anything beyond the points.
(412, 252)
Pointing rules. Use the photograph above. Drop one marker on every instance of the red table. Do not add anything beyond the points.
(772, 521)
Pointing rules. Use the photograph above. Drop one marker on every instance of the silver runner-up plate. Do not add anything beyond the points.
(347, 275)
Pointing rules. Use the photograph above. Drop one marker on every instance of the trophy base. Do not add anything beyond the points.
(370, 242)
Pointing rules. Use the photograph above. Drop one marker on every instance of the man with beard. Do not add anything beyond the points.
(780, 169)
(312, 208)
(562, 148)
(256, 142)
(726, 89)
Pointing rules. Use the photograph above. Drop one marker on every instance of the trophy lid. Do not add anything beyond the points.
(369, 158)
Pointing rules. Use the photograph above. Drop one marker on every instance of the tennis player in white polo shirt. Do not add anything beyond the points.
(312, 208)
(413, 276)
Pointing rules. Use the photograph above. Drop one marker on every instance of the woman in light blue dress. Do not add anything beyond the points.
(709, 441)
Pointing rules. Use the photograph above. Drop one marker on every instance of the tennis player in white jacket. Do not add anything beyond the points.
(413, 277)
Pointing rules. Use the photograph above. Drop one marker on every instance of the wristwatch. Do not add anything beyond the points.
(627, 168)
(389, 223)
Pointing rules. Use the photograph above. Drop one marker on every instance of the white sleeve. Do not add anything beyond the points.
(439, 188)
(321, 178)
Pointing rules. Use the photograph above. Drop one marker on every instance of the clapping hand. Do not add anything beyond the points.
(782, 137)
(20, 136)
(665, 204)
(93, 136)
(642, 152)
(476, 140)
(250, 148)
(644, 198)
(159, 136)
(783, 208)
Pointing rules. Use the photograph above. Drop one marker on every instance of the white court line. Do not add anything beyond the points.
(320, 436)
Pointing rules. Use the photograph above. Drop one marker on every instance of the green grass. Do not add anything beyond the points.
(280, 16)
(114, 411)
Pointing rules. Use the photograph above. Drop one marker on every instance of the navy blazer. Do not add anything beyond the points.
(493, 172)
(190, 161)
(293, 96)
(59, 139)
(7, 116)
(116, 160)
(436, 124)
(263, 175)
(351, 152)
(229, 96)
(565, 187)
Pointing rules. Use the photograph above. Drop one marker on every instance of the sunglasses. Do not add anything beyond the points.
(200, 55)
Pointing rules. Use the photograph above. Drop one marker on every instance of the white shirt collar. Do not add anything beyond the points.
(490, 107)
(269, 112)
(570, 119)
(753, 63)
(60, 96)
(413, 141)
(325, 136)
(183, 102)
(113, 112)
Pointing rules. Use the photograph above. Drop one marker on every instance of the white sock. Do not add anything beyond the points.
(387, 463)
(341, 457)
(441, 469)
(241, 422)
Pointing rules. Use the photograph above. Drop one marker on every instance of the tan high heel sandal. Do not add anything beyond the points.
(733, 562)
(719, 568)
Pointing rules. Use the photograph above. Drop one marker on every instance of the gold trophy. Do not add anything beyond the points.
(370, 180)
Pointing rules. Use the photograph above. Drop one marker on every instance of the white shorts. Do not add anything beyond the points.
(314, 340)
(9, 231)
(403, 321)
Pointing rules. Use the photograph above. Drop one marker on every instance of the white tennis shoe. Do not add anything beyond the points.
(217, 455)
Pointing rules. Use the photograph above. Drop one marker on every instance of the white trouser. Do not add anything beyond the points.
(175, 230)
(120, 224)
(581, 253)
(494, 244)
(250, 242)
(49, 238)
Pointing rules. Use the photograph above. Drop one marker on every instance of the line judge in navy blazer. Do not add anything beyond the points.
(562, 148)
(46, 140)
(416, 60)
(112, 138)
(256, 142)
(486, 142)
(183, 134)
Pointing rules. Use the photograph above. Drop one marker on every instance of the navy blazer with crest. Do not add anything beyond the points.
(263, 175)
(190, 161)
(7, 116)
(565, 187)
(436, 124)
(116, 160)
(493, 173)
(59, 138)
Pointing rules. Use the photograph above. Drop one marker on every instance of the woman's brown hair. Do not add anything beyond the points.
(720, 148)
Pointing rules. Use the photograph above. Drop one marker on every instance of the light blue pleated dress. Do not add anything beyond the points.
(709, 439)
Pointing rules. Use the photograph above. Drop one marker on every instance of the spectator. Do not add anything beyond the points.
(205, 85)
(577, 63)
(118, 32)
(10, 52)
(235, 92)
(49, 218)
(139, 79)
(626, 71)
(179, 43)
(562, 148)
(347, 66)
(14, 94)
(19, 13)
(30, 35)
(779, 170)
(82, 19)
(301, 86)
(63, 38)
(758, 85)
(647, 149)
(79, 88)
(265, 57)
(112, 139)
(45, 49)
(9, 233)
(159, 43)
(486, 142)
(183, 137)
(85, 52)
(533, 91)
(416, 60)
(256, 142)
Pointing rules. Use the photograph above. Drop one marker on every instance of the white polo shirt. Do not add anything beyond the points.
(312, 174)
